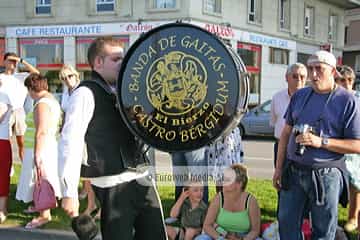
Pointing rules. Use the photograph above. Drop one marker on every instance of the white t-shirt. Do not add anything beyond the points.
(279, 104)
(5, 115)
(13, 86)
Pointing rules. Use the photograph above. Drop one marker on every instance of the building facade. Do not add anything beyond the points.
(268, 34)
(351, 53)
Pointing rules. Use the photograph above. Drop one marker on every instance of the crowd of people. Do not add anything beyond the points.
(316, 155)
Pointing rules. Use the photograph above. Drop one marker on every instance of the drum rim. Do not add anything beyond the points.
(125, 61)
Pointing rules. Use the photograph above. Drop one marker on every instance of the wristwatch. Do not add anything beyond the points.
(324, 141)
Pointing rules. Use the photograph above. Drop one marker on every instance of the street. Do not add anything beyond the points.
(258, 157)
(20, 233)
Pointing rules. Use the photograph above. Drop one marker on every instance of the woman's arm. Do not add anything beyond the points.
(175, 210)
(254, 214)
(41, 119)
(210, 218)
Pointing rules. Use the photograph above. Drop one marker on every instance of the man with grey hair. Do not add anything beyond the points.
(296, 75)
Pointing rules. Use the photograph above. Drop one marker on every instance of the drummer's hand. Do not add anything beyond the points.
(70, 206)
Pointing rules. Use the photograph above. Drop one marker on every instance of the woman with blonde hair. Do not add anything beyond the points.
(71, 79)
(233, 213)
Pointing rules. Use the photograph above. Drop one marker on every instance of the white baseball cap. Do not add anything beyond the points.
(322, 57)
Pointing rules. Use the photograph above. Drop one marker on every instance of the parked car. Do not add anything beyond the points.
(256, 122)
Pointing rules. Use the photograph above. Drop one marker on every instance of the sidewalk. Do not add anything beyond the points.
(20, 233)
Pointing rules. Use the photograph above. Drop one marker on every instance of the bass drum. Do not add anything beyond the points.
(180, 88)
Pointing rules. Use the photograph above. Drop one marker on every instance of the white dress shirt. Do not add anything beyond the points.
(279, 104)
(5, 116)
(79, 111)
(65, 98)
(13, 85)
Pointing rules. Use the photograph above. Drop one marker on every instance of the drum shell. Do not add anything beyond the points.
(180, 88)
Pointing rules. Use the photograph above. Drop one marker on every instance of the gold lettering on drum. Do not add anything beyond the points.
(189, 120)
(165, 43)
(143, 59)
(161, 118)
(211, 120)
(205, 49)
(151, 126)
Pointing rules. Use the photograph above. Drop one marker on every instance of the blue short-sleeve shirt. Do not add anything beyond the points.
(333, 115)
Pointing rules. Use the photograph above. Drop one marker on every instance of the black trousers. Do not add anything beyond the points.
(130, 211)
(276, 146)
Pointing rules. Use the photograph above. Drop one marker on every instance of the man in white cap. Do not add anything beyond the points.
(321, 126)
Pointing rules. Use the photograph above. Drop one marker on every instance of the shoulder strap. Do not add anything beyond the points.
(221, 199)
(247, 201)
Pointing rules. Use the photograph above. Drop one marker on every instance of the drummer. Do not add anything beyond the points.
(111, 148)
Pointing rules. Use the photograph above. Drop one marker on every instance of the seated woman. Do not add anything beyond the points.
(191, 209)
(233, 214)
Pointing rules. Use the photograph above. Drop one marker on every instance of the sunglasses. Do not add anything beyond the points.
(343, 80)
(67, 76)
(298, 76)
(318, 69)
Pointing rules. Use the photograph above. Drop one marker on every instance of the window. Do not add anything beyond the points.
(357, 63)
(309, 23)
(163, 4)
(105, 5)
(254, 11)
(279, 56)
(303, 57)
(284, 14)
(212, 6)
(82, 46)
(251, 55)
(43, 7)
(333, 24)
(46, 52)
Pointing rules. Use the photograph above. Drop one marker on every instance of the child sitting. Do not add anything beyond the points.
(191, 210)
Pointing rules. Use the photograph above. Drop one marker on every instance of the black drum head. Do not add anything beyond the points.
(179, 87)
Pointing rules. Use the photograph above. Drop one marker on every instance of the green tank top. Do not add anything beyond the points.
(238, 222)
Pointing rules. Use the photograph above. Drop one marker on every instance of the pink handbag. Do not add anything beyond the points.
(44, 195)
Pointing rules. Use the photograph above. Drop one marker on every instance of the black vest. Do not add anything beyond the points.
(111, 147)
